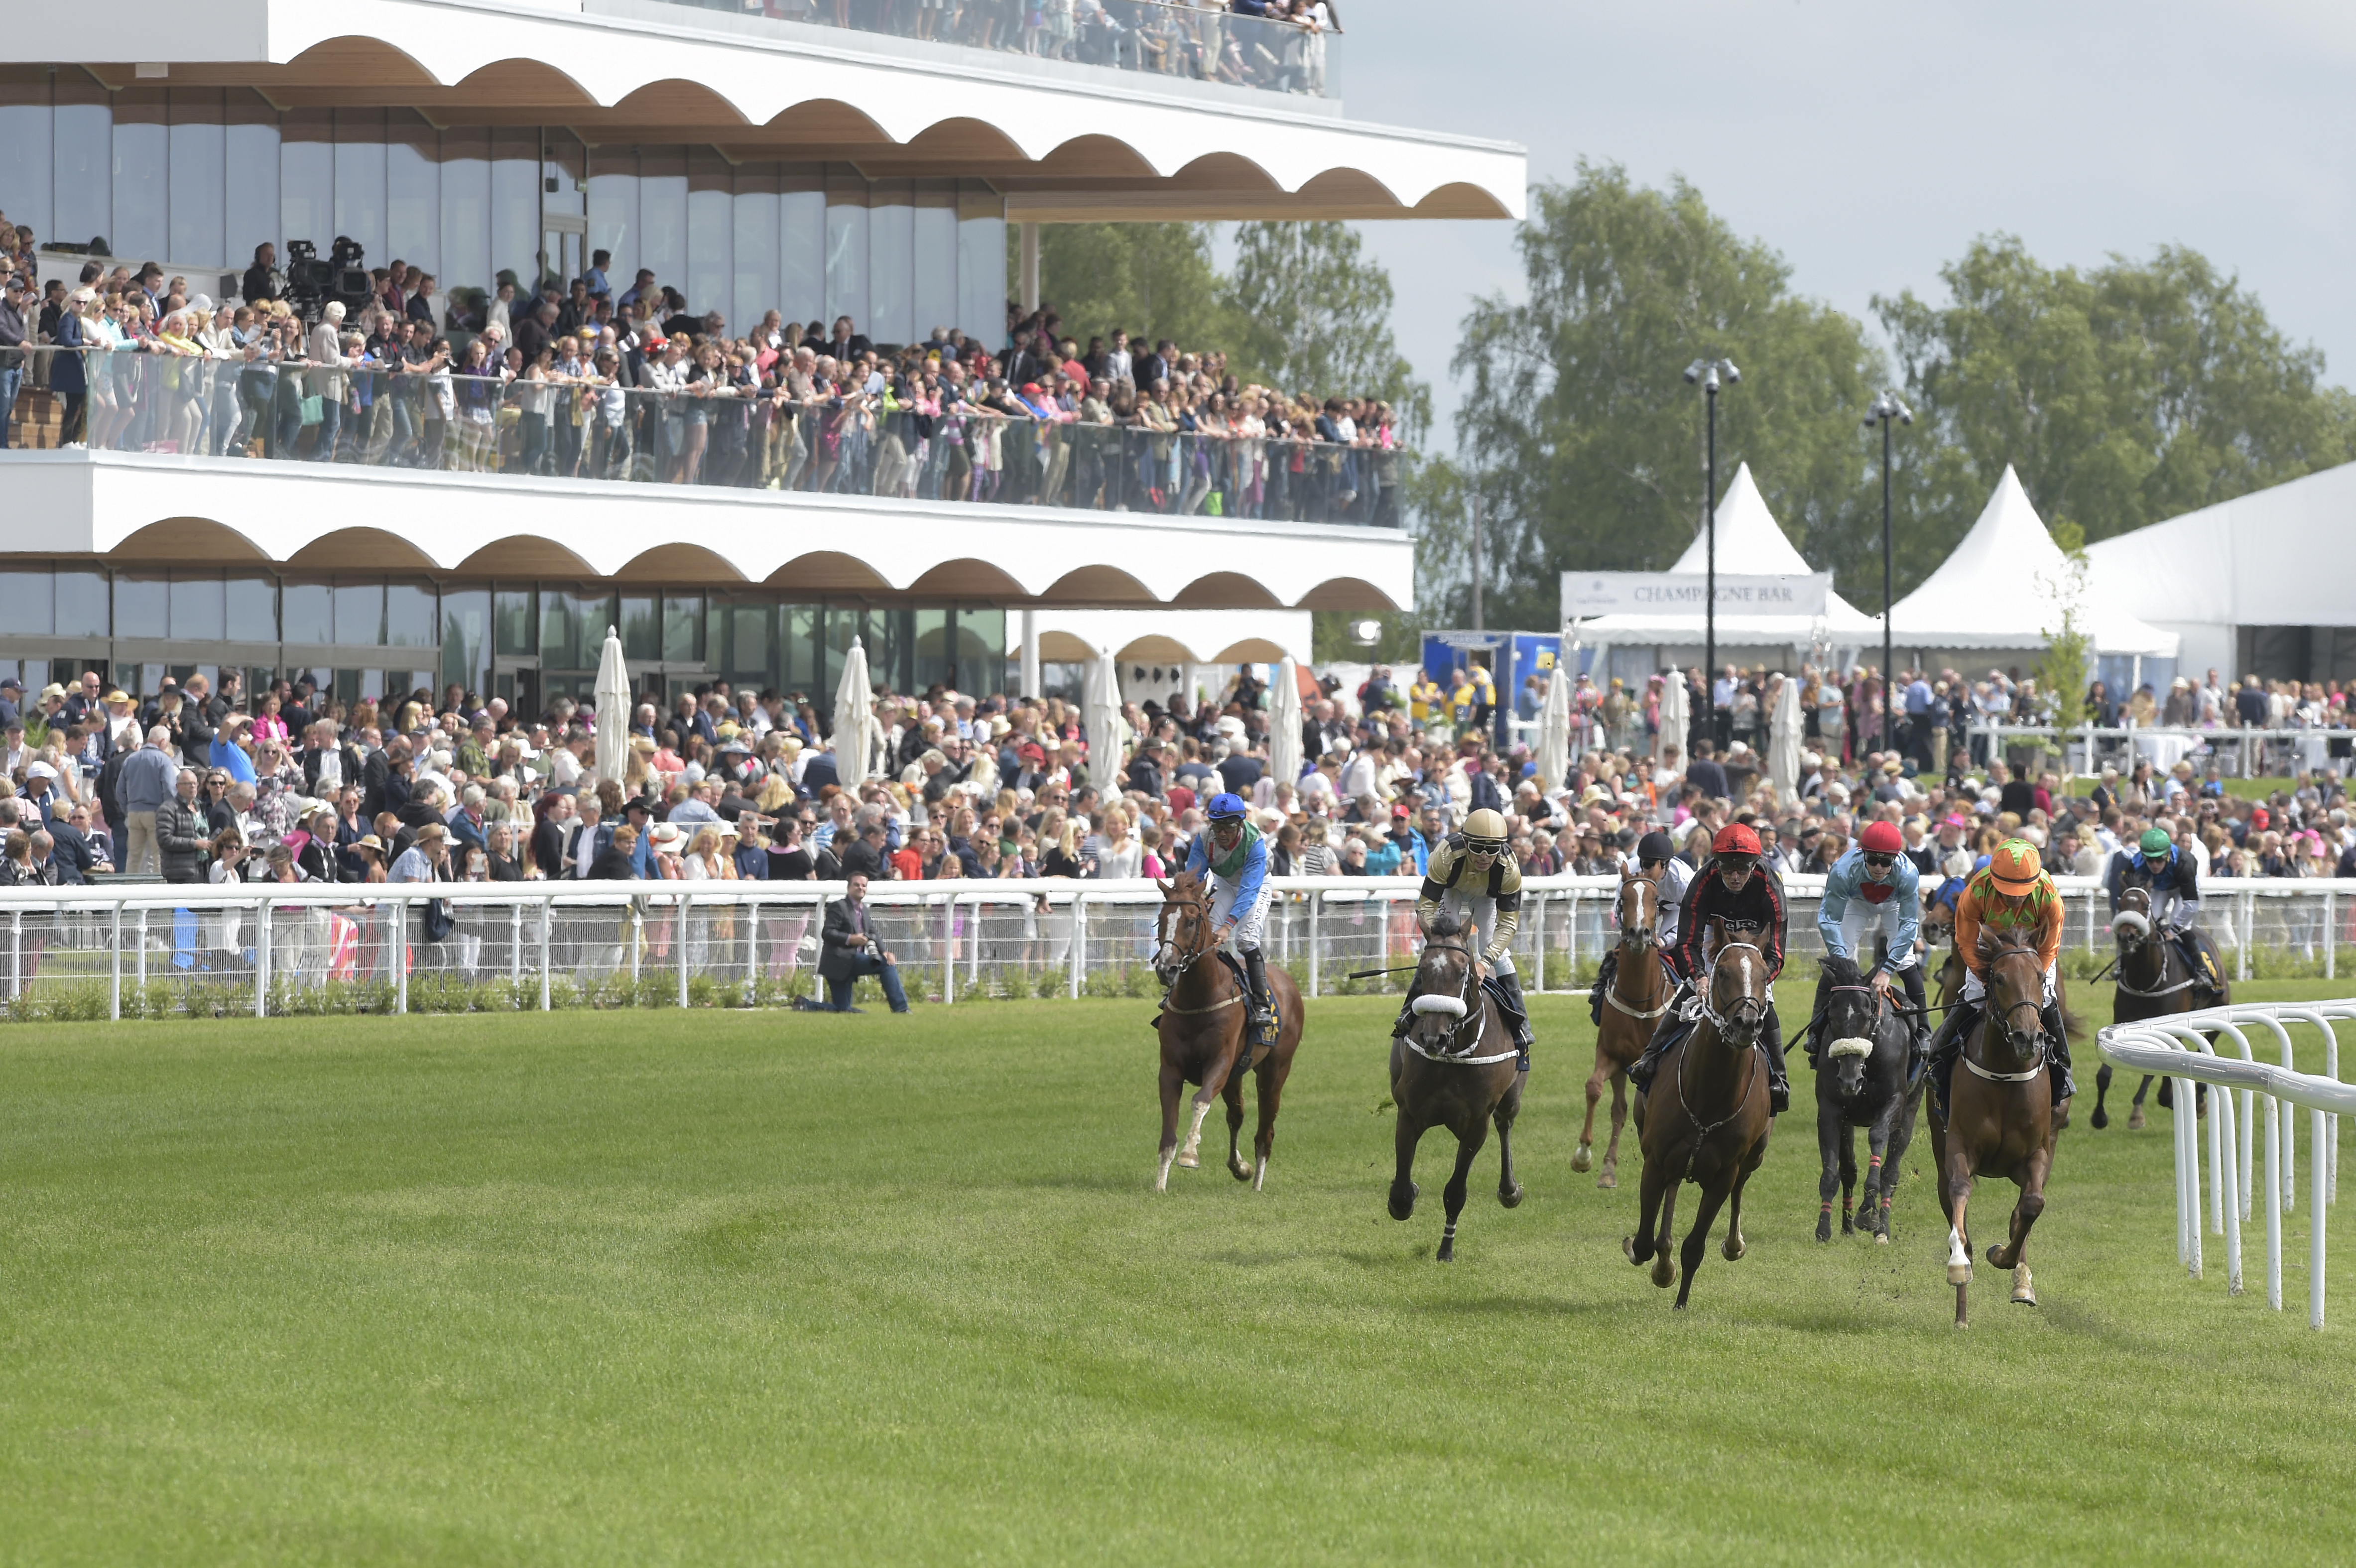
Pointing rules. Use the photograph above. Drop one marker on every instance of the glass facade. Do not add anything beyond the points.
(195, 177)
(542, 637)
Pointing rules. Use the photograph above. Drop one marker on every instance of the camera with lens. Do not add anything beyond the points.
(312, 282)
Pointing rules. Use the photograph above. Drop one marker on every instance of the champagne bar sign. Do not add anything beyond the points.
(1587, 594)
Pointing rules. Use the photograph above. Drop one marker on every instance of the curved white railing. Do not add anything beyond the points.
(2177, 1047)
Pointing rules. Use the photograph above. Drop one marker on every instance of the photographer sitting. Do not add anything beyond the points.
(848, 949)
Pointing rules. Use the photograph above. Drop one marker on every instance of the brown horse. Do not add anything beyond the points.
(1454, 1068)
(1202, 1029)
(1632, 1005)
(1947, 985)
(2000, 1119)
(1706, 1119)
(2152, 982)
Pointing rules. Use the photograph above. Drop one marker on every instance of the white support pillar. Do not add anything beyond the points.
(1029, 281)
(1029, 676)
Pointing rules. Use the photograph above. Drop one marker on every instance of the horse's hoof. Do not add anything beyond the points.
(1609, 1181)
(1733, 1248)
(1582, 1158)
(2099, 1120)
(1824, 1229)
(1959, 1274)
(1405, 1210)
(1881, 1238)
(1187, 1162)
(2023, 1296)
(1240, 1169)
(1510, 1196)
(1628, 1250)
(1849, 1226)
(2134, 1120)
(1994, 1257)
(1447, 1252)
(1664, 1273)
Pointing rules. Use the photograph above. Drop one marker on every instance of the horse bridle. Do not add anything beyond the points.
(2012, 1038)
(1476, 1017)
(1645, 931)
(1162, 944)
(1701, 992)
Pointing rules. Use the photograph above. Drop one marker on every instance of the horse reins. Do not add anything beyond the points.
(1751, 1056)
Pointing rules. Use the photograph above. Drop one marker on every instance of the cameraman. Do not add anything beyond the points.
(848, 949)
(264, 281)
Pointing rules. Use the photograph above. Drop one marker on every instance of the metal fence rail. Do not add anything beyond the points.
(148, 950)
(2177, 1047)
(2243, 752)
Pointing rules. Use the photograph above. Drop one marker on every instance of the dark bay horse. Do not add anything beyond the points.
(2152, 982)
(2000, 1118)
(1706, 1118)
(1454, 1068)
(1632, 1005)
(1860, 1046)
(1202, 1031)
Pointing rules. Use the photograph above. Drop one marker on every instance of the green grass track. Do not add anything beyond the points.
(724, 1287)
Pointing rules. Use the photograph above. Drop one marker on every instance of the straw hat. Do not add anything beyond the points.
(370, 842)
(666, 834)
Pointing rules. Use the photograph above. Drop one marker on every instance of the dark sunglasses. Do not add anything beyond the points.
(1881, 863)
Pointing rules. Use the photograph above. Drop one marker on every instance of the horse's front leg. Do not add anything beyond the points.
(1509, 1192)
(1829, 1159)
(1404, 1190)
(1583, 1156)
(1610, 1176)
(1233, 1094)
(1172, 1082)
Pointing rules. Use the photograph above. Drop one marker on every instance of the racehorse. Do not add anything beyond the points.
(1947, 986)
(1632, 1004)
(2152, 982)
(1862, 1050)
(1204, 1013)
(1454, 1068)
(1710, 1124)
(2000, 1118)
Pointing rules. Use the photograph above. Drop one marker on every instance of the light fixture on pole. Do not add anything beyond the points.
(1365, 633)
(1704, 374)
(1886, 408)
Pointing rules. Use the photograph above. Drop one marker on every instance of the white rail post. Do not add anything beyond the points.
(262, 961)
(547, 920)
(2229, 1164)
(949, 950)
(2330, 934)
(141, 968)
(1316, 936)
(114, 986)
(515, 946)
(973, 971)
(2248, 914)
(2273, 1204)
(753, 952)
(401, 955)
(2314, 1215)
(1079, 941)
(1570, 946)
(637, 924)
(1538, 938)
(680, 917)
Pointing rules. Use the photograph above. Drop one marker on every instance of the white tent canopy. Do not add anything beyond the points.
(1749, 542)
(1999, 590)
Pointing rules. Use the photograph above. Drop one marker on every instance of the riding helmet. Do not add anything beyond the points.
(2154, 841)
(1735, 839)
(2015, 868)
(1881, 839)
(1654, 848)
(1485, 831)
(1224, 807)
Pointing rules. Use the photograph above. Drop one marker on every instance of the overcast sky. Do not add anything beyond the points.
(1869, 145)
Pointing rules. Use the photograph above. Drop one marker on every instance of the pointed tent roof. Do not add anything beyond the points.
(1992, 590)
(1751, 542)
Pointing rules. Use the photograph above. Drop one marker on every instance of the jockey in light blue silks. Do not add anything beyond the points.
(1232, 857)
(1875, 890)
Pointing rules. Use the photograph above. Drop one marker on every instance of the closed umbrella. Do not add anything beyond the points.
(613, 710)
(1784, 744)
(854, 723)
(1284, 724)
(1675, 714)
(1107, 731)
(1553, 729)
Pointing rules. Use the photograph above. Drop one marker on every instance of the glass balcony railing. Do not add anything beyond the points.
(1187, 42)
(184, 407)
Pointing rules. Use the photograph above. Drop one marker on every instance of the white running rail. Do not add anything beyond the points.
(2177, 1047)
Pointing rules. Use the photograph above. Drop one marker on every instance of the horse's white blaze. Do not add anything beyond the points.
(1452, 1006)
(1852, 1046)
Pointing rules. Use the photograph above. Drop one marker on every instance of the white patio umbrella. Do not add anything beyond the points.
(1284, 724)
(613, 710)
(1553, 729)
(1675, 714)
(1107, 731)
(1784, 744)
(854, 723)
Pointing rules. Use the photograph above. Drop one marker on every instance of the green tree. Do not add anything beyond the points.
(1152, 280)
(2124, 395)
(2062, 668)
(1313, 315)
(1579, 432)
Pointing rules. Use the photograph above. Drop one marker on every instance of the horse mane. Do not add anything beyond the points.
(1447, 923)
(1839, 971)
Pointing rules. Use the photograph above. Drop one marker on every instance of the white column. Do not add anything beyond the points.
(1030, 282)
(1030, 651)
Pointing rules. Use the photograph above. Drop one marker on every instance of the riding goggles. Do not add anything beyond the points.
(1881, 863)
(1484, 846)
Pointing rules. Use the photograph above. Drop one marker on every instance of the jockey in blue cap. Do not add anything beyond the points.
(1232, 857)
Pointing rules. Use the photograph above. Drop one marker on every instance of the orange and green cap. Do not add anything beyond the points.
(2015, 867)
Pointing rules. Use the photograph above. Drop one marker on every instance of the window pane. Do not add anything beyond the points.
(200, 226)
(515, 203)
(932, 650)
(26, 165)
(846, 264)
(81, 604)
(512, 617)
(749, 636)
(359, 180)
(936, 265)
(891, 263)
(801, 266)
(309, 612)
(981, 264)
(756, 246)
(412, 187)
(711, 232)
(980, 650)
(614, 212)
(594, 613)
(141, 605)
(359, 613)
(662, 213)
(467, 210)
(252, 162)
(142, 152)
(25, 603)
(409, 615)
(683, 630)
(199, 609)
(466, 635)
(799, 668)
(252, 610)
(559, 646)
(83, 189)
(307, 180)
(639, 640)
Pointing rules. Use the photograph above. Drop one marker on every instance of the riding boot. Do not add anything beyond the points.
(1261, 1030)
(1917, 1026)
(2057, 1050)
(1666, 1033)
(1946, 1046)
(1517, 1013)
(1771, 1045)
(1603, 973)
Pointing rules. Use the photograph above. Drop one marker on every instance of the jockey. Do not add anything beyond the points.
(1736, 888)
(1875, 890)
(1657, 863)
(2012, 892)
(2157, 864)
(1472, 878)
(1233, 859)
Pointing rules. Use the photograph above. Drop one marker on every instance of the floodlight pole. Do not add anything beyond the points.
(1476, 564)
(1704, 374)
(1887, 408)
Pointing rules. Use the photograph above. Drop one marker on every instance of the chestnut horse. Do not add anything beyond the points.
(1454, 1068)
(2152, 982)
(1632, 1005)
(1204, 1010)
(1706, 1118)
(1947, 986)
(2000, 1118)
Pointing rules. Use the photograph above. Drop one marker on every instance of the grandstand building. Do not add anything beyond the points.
(757, 157)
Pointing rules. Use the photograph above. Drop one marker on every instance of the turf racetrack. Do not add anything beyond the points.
(654, 1288)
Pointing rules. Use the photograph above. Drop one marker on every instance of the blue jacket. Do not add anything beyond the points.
(1255, 871)
(2174, 876)
(1848, 880)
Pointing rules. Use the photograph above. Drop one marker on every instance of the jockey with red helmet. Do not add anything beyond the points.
(1875, 890)
(1737, 887)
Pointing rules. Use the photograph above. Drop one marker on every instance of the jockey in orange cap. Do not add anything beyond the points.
(2011, 892)
(1736, 888)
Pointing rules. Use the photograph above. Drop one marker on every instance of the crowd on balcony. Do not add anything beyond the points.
(618, 380)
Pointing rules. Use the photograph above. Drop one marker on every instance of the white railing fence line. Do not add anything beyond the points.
(2252, 749)
(2177, 1047)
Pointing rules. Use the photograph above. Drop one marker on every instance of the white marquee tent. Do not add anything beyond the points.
(1749, 542)
(2002, 588)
